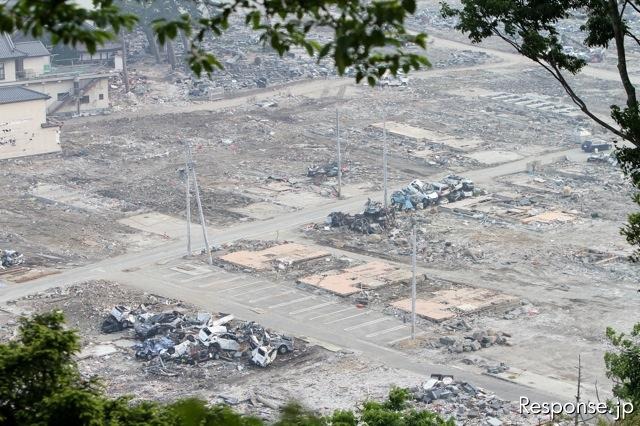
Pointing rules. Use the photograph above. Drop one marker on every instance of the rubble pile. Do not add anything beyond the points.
(176, 337)
(467, 403)
(473, 342)
(9, 258)
(374, 219)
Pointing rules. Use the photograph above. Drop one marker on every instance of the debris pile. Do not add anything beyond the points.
(422, 195)
(374, 219)
(10, 258)
(474, 342)
(174, 336)
(464, 401)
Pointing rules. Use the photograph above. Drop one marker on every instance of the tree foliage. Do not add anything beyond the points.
(40, 385)
(367, 35)
(532, 28)
(623, 364)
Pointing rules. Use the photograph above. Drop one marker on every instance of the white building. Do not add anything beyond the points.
(24, 129)
(71, 90)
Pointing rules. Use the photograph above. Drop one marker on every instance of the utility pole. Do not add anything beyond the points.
(125, 73)
(384, 154)
(188, 182)
(413, 279)
(339, 154)
(192, 167)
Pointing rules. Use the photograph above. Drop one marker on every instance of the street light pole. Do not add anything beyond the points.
(384, 155)
(413, 279)
(195, 186)
(339, 154)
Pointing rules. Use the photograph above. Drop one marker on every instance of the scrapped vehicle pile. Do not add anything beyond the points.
(9, 258)
(422, 195)
(191, 339)
(373, 219)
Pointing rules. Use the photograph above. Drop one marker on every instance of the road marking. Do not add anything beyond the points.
(197, 277)
(388, 330)
(207, 285)
(404, 338)
(291, 302)
(311, 308)
(271, 296)
(331, 313)
(255, 290)
(364, 324)
(243, 285)
(346, 318)
(232, 279)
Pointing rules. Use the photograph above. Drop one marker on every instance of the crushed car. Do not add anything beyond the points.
(9, 258)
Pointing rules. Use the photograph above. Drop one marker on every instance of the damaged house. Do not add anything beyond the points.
(24, 128)
(71, 90)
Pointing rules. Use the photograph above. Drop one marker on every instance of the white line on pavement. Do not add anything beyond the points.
(346, 318)
(271, 296)
(291, 302)
(388, 330)
(255, 290)
(364, 324)
(331, 313)
(311, 308)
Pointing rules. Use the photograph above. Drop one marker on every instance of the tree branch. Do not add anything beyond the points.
(557, 74)
(618, 31)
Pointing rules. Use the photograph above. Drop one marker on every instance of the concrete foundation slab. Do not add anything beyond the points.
(408, 131)
(446, 304)
(549, 217)
(351, 280)
(264, 260)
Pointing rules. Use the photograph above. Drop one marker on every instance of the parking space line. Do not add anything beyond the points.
(311, 308)
(197, 277)
(388, 330)
(255, 290)
(270, 296)
(346, 318)
(364, 324)
(211, 284)
(240, 286)
(232, 279)
(291, 302)
(404, 338)
(331, 313)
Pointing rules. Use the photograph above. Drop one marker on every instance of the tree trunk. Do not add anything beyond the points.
(153, 44)
(185, 43)
(171, 55)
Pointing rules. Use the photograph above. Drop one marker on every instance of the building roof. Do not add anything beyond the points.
(8, 49)
(32, 48)
(13, 94)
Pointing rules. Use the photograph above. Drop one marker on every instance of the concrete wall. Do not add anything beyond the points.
(21, 131)
(52, 88)
(9, 71)
(36, 66)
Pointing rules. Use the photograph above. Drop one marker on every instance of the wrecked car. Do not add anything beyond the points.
(150, 325)
(262, 356)
(153, 347)
(119, 318)
(284, 344)
(10, 258)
